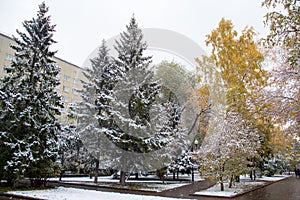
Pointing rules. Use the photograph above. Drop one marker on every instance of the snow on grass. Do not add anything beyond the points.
(276, 177)
(152, 184)
(230, 192)
(273, 178)
(62, 193)
(245, 185)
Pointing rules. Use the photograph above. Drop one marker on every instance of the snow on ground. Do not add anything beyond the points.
(273, 178)
(62, 193)
(245, 185)
(229, 192)
(142, 184)
(276, 177)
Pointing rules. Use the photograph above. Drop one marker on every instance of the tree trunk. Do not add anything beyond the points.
(122, 178)
(237, 179)
(122, 169)
(174, 175)
(60, 175)
(136, 175)
(230, 181)
(221, 183)
(193, 176)
(96, 171)
(221, 177)
(62, 163)
(16, 182)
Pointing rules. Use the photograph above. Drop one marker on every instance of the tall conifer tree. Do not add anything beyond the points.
(128, 131)
(94, 118)
(29, 102)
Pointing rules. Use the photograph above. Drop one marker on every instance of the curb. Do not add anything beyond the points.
(17, 196)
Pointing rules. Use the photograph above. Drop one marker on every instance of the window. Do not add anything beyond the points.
(65, 89)
(67, 78)
(64, 99)
(76, 81)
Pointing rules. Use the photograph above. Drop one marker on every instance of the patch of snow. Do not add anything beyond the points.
(276, 177)
(273, 178)
(63, 193)
(245, 185)
(229, 192)
(142, 184)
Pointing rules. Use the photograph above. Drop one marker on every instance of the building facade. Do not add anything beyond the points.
(70, 75)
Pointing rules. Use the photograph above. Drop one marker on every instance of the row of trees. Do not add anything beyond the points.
(127, 115)
(258, 126)
(112, 120)
(130, 121)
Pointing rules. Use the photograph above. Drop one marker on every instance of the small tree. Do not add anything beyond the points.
(225, 153)
(29, 102)
(183, 164)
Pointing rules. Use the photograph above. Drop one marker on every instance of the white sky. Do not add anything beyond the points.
(81, 25)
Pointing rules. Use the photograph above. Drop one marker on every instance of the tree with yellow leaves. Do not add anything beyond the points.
(235, 78)
(239, 61)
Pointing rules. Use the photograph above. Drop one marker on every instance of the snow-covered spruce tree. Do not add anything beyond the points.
(130, 50)
(93, 111)
(183, 164)
(29, 103)
(129, 132)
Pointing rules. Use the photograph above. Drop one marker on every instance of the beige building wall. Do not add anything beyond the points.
(70, 75)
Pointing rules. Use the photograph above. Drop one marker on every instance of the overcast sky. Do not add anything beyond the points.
(81, 25)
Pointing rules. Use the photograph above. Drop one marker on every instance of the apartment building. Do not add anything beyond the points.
(70, 74)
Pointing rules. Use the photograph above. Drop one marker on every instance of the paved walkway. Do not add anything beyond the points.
(185, 191)
(287, 189)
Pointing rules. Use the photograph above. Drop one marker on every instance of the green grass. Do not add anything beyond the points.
(5, 189)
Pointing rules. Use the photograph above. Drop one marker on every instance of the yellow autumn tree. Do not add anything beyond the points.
(240, 63)
(238, 78)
